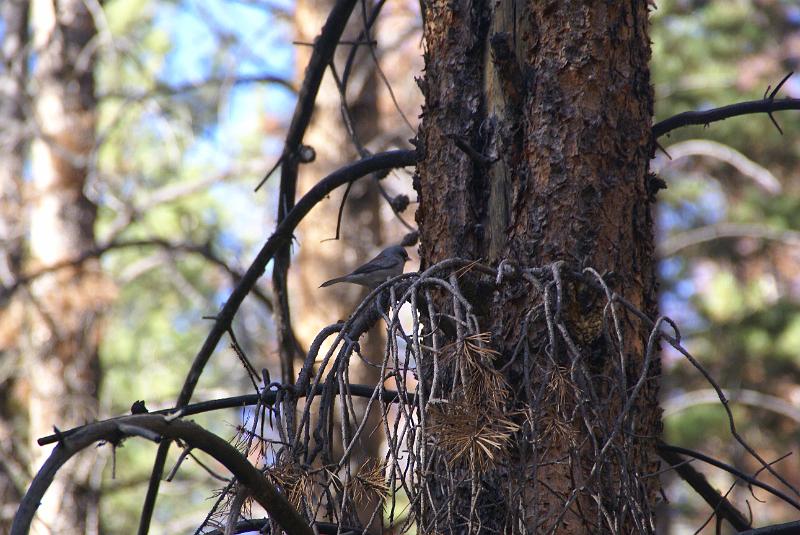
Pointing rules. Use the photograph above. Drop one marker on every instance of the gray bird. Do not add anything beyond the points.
(389, 263)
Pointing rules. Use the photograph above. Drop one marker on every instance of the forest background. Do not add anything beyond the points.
(193, 98)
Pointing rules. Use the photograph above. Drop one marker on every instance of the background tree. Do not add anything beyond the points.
(12, 161)
(159, 235)
(726, 239)
(153, 243)
(54, 330)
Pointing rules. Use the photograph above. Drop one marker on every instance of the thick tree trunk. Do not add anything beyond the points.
(535, 145)
(61, 363)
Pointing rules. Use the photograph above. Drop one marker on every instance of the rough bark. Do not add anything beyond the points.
(535, 142)
(61, 362)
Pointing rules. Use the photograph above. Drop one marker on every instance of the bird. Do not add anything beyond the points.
(387, 264)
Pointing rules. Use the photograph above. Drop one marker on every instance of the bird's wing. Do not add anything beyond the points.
(378, 263)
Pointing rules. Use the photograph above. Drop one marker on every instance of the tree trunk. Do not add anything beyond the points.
(535, 144)
(13, 141)
(320, 257)
(61, 361)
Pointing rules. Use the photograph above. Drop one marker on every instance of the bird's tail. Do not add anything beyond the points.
(332, 281)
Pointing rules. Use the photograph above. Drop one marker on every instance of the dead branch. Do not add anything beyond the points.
(753, 398)
(730, 469)
(675, 342)
(761, 176)
(167, 90)
(696, 236)
(724, 508)
(157, 428)
(789, 528)
(267, 396)
(262, 526)
(98, 251)
(324, 49)
(767, 105)
(281, 235)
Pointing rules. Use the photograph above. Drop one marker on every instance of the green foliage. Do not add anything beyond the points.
(164, 173)
(696, 425)
(737, 296)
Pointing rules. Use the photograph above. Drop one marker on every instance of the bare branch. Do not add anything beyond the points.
(707, 117)
(324, 528)
(165, 90)
(203, 250)
(267, 397)
(131, 210)
(324, 48)
(156, 427)
(748, 397)
(789, 528)
(724, 508)
(730, 469)
(675, 342)
(703, 147)
(351, 56)
(281, 236)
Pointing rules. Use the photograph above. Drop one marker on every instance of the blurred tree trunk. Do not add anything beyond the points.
(14, 133)
(13, 141)
(320, 258)
(61, 333)
(535, 145)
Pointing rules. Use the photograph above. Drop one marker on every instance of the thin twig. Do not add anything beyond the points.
(281, 235)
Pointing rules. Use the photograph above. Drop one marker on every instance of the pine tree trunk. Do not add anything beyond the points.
(61, 361)
(535, 145)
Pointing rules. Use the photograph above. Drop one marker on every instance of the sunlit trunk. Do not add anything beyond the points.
(61, 361)
(319, 257)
